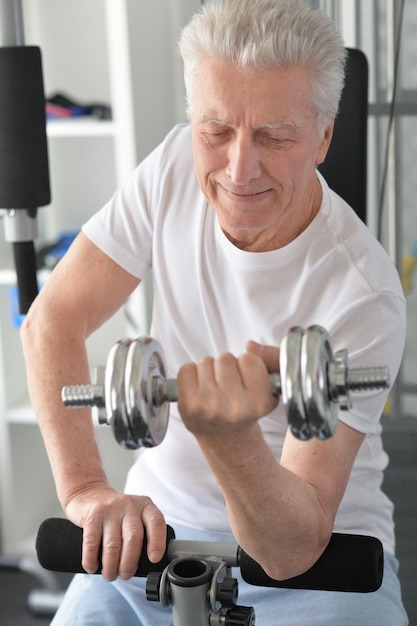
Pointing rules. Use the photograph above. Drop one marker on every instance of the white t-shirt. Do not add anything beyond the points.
(211, 297)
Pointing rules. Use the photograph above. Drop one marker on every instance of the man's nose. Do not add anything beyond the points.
(243, 161)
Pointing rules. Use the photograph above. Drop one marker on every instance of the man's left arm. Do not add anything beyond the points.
(281, 511)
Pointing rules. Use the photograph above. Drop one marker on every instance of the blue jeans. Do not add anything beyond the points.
(91, 601)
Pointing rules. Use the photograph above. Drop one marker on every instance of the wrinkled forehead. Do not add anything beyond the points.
(273, 97)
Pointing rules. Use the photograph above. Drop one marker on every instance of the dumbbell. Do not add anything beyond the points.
(132, 394)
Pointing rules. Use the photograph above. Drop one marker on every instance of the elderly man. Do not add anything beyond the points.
(245, 239)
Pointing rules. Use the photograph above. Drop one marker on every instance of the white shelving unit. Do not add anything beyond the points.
(86, 54)
(117, 52)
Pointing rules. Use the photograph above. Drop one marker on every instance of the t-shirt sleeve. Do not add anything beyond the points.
(374, 328)
(122, 229)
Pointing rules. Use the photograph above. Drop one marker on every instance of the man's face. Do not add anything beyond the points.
(256, 146)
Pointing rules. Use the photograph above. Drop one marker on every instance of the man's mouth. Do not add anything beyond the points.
(242, 194)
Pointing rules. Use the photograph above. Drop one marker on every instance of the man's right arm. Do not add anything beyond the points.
(84, 290)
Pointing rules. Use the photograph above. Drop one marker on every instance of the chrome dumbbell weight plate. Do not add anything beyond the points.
(114, 394)
(148, 413)
(131, 370)
(291, 385)
(322, 410)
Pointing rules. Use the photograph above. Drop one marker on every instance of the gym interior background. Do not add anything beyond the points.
(121, 54)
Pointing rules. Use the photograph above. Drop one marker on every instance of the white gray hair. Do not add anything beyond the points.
(265, 34)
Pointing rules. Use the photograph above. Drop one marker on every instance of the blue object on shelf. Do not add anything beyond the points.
(15, 315)
(48, 257)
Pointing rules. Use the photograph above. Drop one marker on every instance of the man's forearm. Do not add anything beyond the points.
(275, 515)
(52, 362)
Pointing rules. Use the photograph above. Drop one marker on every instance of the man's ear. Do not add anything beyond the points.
(325, 143)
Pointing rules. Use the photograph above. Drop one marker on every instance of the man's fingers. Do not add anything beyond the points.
(132, 541)
(156, 532)
(133, 534)
(119, 538)
(112, 548)
(269, 354)
(92, 540)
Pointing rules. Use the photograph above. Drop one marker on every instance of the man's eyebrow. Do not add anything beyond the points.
(265, 126)
(277, 125)
(292, 128)
(212, 120)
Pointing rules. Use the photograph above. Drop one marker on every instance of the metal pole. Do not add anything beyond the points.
(393, 182)
(11, 23)
(20, 226)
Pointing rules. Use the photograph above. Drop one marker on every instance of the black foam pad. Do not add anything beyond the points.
(349, 563)
(345, 167)
(24, 173)
(59, 548)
